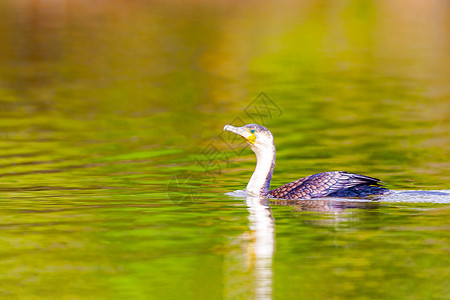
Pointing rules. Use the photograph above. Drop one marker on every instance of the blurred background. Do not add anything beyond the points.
(362, 85)
(104, 103)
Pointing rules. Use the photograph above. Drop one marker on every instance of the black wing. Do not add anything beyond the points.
(321, 185)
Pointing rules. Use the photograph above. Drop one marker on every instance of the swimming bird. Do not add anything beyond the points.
(332, 184)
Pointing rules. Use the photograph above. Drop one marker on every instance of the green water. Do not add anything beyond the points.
(114, 168)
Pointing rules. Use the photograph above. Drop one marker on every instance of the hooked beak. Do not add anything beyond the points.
(246, 135)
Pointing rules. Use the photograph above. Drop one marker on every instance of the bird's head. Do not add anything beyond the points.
(258, 137)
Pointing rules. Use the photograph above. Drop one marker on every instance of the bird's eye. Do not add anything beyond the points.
(252, 131)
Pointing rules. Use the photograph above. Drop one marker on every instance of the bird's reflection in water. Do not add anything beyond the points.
(334, 205)
(258, 244)
(248, 268)
(338, 210)
(263, 238)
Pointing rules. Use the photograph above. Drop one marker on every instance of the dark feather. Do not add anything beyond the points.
(328, 184)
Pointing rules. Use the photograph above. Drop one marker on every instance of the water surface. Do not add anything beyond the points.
(114, 170)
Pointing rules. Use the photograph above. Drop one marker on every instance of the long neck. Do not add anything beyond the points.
(260, 181)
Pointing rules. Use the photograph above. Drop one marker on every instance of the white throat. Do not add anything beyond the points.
(265, 161)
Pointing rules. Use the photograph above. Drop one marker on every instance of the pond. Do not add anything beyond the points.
(117, 181)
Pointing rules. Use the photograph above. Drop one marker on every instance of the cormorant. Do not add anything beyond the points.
(332, 184)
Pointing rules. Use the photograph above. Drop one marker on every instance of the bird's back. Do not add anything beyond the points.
(336, 184)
